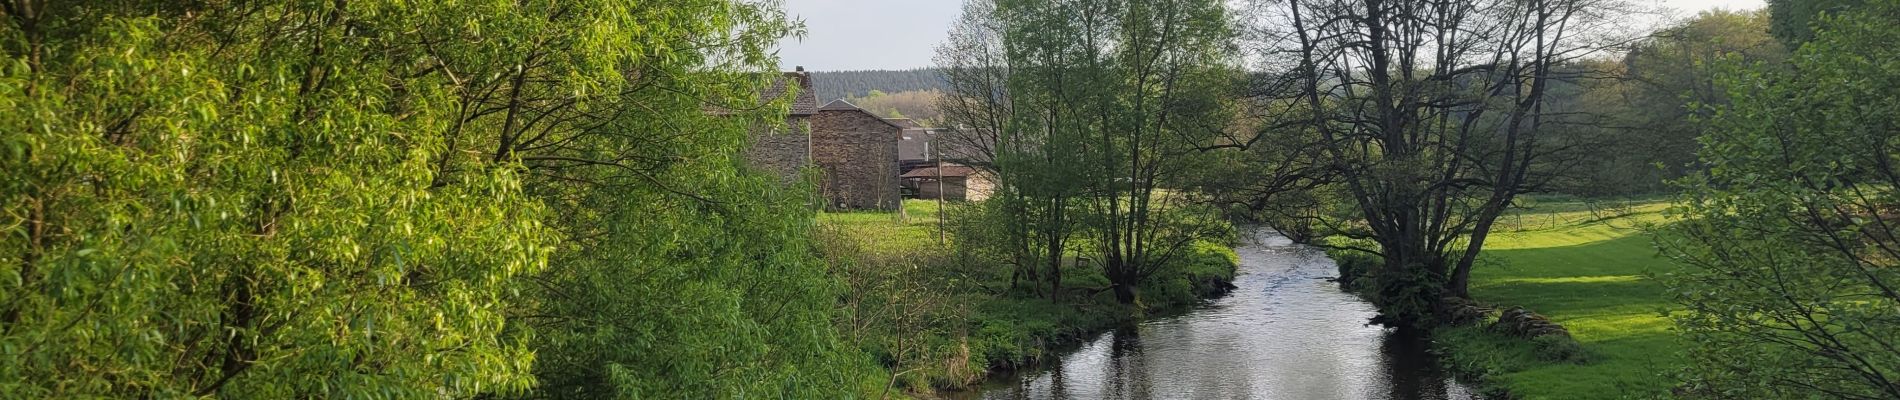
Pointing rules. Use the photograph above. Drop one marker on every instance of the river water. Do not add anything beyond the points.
(1286, 332)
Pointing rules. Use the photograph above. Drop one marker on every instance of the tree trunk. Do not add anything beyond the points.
(1125, 293)
(1055, 276)
(1460, 283)
(1055, 285)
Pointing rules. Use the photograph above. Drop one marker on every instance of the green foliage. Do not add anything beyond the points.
(1406, 296)
(1205, 271)
(1102, 119)
(988, 236)
(682, 294)
(904, 303)
(1642, 124)
(291, 199)
(183, 220)
(1789, 237)
(1355, 267)
(1402, 295)
(1793, 20)
(685, 275)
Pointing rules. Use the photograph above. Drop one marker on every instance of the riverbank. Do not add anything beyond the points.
(1588, 268)
(938, 321)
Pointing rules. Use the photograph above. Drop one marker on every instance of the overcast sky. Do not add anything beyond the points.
(902, 34)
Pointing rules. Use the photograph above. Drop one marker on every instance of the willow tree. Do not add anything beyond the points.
(1167, 70)
(215, 200)
(1020, 138)
(1429, 118)
(285, 199)
(682, 274)
(1092, 108)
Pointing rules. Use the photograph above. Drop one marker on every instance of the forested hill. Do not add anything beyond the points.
(841, 84)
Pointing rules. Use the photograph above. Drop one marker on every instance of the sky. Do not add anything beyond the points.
(903, 34)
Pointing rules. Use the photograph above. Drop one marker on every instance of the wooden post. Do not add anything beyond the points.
(940, 212)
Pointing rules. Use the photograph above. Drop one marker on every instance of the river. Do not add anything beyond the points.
(1285, 332)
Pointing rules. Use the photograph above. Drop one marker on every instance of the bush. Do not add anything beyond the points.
(1355, 268)
(1205, 270)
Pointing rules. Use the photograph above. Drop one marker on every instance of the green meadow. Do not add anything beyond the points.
(945, 321)
(1587, 267)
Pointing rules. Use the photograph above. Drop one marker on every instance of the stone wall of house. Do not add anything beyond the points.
(952, 189)
(857, 154)
(955, 188)
(978, 187)
(781, 150)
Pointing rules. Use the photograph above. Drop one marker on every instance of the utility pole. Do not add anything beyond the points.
(930, 137)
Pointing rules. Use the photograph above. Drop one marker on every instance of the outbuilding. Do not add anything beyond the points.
(954, 182)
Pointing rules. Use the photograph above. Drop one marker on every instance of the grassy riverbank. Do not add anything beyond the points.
(1586, 268)
(938, 320)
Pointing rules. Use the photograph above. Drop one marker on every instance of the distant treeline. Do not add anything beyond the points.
(841, 84)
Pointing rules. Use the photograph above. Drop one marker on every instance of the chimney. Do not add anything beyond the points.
(800, 68)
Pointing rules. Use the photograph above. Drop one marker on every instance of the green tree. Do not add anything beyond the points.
(1792, 21)
(202, 201)
(1791, 286)
(1163, 74)
(1010, 121)
(1089, 110)
(286, 199)
(1644, 133)
(682, 274)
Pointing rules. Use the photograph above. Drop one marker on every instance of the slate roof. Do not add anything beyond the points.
(949, 171)
(841, 105)
(907, 123)
(805, 103)
(913, 146)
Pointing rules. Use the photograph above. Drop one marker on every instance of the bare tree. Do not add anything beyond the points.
(1427, 118)
(976, 107)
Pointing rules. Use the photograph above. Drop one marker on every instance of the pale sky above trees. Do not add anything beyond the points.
(902, 34)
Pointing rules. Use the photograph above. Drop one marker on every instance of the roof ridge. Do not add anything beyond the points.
(835, 105)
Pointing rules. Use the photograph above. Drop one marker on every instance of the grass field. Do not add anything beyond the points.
(1588, 270)
(975, 323)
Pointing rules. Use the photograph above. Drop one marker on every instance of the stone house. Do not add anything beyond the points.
(856, 154)
(785, 150)
(854, 151)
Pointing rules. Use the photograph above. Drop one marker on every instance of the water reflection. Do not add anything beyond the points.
(1285, 333)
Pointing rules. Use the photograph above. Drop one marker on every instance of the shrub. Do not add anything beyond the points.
(1205, 270)
(1355, 268)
